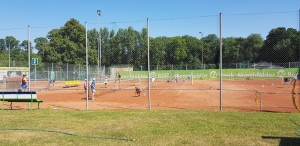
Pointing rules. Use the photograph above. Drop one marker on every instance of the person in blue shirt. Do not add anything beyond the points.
(93, 88)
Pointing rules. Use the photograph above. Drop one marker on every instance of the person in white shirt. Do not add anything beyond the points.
(105, 82)
(153, 81)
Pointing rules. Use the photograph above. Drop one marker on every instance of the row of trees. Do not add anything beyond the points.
(128, 46)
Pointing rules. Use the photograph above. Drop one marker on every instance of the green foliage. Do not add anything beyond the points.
(176, 51)
(40, 45)
(128, 46)
(281, 45)
(251, 47)
(2, 45)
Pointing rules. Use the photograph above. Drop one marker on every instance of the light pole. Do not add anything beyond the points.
(202, 48)
(99, 44)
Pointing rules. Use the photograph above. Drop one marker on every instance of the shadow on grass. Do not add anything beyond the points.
(285, 141)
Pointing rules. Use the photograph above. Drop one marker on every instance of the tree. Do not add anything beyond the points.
(143, 48)
(24, 46)
(67, 44)
(281, 45)
(194, 52)
(231, 50)
(108, 49)
(2, 45)
(105, 45)
(158, 50)
(212, 49)
(252, 46)
(12, 43)
(41, 44)
(51, 51)
(93, 39)
(176, 51)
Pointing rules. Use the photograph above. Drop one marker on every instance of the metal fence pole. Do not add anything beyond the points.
(87, 68)
(221, 62)
(149, 96)
(29, 58)
(35, 76)
(28, 62)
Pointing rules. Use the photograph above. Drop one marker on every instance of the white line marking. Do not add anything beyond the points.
(180, 90)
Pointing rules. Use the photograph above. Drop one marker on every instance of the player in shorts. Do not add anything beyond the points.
(24, 83)
(93, 88)
(105, 82)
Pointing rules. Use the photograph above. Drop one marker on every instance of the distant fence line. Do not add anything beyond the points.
(78, 71)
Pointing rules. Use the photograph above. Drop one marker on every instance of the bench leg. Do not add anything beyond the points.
(11, 105)
(38, 105)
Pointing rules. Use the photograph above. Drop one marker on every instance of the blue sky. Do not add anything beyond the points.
(167, 17)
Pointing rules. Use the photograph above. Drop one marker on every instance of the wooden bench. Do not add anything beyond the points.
(11, 97)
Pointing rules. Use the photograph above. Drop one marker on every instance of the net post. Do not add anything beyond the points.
(260, 102)
(139, 79)
(2, 100)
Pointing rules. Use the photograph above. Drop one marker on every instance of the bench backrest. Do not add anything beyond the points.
(18, 95)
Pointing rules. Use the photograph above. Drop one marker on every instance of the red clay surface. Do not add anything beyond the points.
(239, 95)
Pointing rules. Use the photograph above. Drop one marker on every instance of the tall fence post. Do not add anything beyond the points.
(149, 96)
(87, 67)
(221, 62)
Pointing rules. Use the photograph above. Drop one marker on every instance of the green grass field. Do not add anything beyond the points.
(141, 127)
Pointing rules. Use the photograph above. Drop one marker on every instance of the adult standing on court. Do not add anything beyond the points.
(153, 81)
(93, 88)
(176, 78)
(119, 78)
(24, 83)
(189, 77)
(85, 85)
(105, 82)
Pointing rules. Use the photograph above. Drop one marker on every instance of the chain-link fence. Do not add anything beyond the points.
(260, 64)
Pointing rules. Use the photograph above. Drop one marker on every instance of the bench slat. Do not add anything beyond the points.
(21, 100)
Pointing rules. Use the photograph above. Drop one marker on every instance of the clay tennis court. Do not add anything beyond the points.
(239, 95)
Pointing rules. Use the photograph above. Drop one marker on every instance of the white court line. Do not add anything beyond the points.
(165, 89)
(180, 90)
(162, 92)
